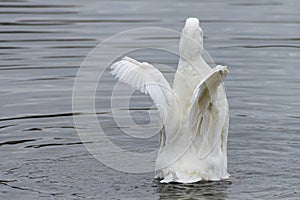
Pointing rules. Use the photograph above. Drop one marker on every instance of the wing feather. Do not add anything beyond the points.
(145, 78)
(208, 112)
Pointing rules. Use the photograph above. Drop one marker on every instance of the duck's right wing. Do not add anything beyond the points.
(209, 112)
(146, 78)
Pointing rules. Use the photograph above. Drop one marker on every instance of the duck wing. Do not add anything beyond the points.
(208, 115)
(146, 78)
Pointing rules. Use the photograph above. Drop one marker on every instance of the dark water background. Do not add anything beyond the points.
(42, 44)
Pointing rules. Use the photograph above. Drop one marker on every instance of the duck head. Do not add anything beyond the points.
(191, 39)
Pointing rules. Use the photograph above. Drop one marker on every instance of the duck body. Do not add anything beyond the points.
(194, 113)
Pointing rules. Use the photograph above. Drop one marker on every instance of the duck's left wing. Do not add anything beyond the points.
(146, 78)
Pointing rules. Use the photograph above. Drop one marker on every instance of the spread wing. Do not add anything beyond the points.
(146, 78)
(208, 116)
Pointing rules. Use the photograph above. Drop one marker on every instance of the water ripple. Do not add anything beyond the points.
(13, 142)
(49, 116)
(261, 46)
(54, 144)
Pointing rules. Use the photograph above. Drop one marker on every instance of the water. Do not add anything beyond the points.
(42, 45)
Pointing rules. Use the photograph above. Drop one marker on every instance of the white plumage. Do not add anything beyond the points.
(194, 114)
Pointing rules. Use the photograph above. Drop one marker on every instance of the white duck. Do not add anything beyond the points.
(194, 114)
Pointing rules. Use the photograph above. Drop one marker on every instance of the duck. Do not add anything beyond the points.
(193, 114)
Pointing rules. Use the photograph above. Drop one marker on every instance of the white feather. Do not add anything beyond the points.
(204, 104)
(146, 78)
(195, 118)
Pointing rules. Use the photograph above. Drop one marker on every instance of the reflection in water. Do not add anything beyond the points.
(200, 190)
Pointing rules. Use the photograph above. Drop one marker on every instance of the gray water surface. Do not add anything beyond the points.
(42, 45)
